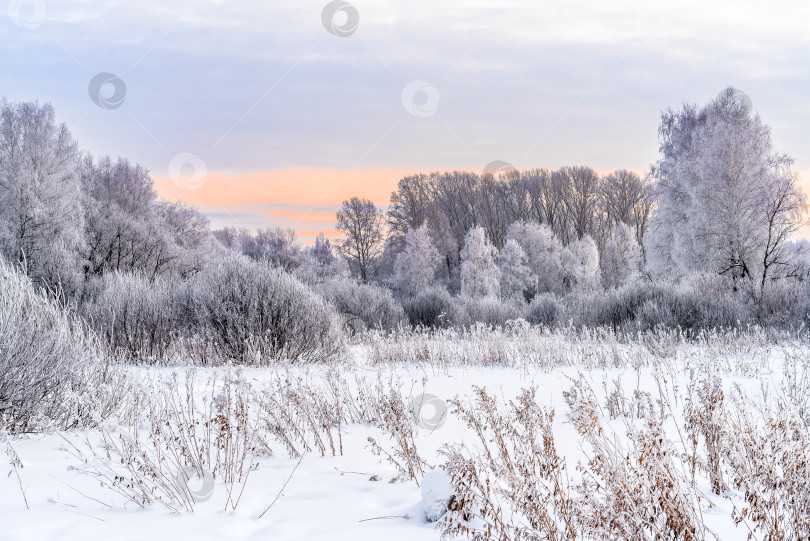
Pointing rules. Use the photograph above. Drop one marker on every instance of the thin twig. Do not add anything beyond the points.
(406, 517)
(84, 514)
(82, 493)
(282, 487)
(15, 459)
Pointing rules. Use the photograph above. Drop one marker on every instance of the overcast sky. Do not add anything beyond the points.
(260, 99)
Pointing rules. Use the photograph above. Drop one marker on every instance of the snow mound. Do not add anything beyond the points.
(436, 493)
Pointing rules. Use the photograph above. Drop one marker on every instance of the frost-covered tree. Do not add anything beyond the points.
(544, 253)
(322, 250)
(727, 201)
(128, 229)
(319, 264)
(361, 222)
(567, 262)
(185, 240)
(237, 239)
(480, 276)
(41, 218)
(586, 270)
(621, 257)
(516, 276)
(119, 209)
(581, 195)
(416, 263)
(626, 198)
(275, 245)
(279, 247)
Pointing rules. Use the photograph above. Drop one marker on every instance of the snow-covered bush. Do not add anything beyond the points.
(363, 306)
(699, 302)
(642, 480)
(52, 374)
(512, 484)
(769, 463)
(616, 308)
(137, 317)
(258, 313)
(433, 307)
(543, 310)
(487, 310)
(784, 304)
(217, 440)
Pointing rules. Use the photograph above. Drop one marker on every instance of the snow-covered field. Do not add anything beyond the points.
(56, 491)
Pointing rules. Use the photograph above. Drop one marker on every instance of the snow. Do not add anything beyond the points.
(436, 494)
(340, 497)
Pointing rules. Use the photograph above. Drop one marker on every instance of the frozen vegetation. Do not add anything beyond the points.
(483, 434)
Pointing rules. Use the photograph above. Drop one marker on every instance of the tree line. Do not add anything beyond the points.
(707, 237)
(720, 200)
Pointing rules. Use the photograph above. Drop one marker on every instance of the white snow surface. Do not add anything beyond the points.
(329, 498)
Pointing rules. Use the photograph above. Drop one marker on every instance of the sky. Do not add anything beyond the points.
(274, 112)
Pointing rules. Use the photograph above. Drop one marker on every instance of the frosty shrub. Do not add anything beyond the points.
(363, 306)
(543, 310)
(257, 313)
(701, 301)
(433, 307)
(509, 482)
(136, 317)
(486, 310)
(52, 375)
(219, 436)
(784, 304)
(638, 491)
(770, 465)
(615, 308)
(397, 423)
(705, 419)
(305, 417)
(698, 302)
(512, 484)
